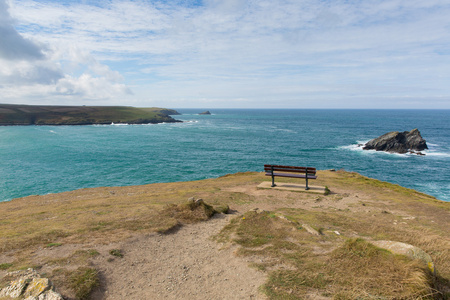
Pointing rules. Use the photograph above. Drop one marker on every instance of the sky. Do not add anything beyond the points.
(380, 54)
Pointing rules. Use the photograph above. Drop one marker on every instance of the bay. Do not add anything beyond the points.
(50, 159)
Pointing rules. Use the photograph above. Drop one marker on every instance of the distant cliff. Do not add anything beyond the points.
(11, 114)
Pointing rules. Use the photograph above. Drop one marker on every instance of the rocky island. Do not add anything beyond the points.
(398, 142)
(205, 113)
(11, 114)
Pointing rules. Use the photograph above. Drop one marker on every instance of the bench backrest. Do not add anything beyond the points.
(292, 169)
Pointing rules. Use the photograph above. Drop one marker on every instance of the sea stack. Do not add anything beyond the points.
(398, 142)
(205, 113)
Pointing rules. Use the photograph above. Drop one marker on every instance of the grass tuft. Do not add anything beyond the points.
(191, 212)
(116, 252)
(5, 266)
(51, 245)
(83, 281)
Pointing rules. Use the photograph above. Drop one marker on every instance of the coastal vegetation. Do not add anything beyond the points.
(11, 114)
(308, 245)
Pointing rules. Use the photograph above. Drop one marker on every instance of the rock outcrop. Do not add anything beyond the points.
(205, 113)
(398, 142)
(30, 286)
(407, 250)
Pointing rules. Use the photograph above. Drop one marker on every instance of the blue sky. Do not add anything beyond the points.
(227, 53)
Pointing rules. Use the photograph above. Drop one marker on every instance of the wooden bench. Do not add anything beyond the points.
(290, 171)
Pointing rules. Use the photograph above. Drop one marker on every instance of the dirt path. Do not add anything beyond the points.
(186, 264)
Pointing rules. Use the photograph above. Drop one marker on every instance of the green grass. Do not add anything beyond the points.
(51, 245)
(5, 266)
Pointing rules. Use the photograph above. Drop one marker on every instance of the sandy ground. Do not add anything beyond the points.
(185, 264)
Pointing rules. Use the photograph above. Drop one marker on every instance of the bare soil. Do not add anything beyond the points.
(186, 264)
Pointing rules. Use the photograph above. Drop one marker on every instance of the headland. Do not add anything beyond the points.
(12, 114)
(154, 241)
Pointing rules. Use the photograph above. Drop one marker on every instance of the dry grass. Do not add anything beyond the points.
(298, 264)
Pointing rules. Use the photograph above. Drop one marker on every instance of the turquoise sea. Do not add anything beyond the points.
(50, 159)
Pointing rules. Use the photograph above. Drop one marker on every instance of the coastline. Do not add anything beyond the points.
(48, 115)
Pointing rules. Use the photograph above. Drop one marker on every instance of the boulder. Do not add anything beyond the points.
(29, 285)
(14, 289)
(37, 286)
(398, 142)
(205, 113)
(407, 250)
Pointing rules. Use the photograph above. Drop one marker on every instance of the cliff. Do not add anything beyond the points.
(82, 115)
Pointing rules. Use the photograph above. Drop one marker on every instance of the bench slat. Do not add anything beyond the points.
(286, 167)
(291, 175)
(310, 171)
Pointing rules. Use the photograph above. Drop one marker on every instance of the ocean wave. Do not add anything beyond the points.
(430, 152)
(359, 147)
(437, 154)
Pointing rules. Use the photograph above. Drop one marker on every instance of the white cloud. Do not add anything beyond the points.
(297, 51)
(51, 73)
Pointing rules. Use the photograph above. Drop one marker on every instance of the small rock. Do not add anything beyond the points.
(50, 295)
(310, 229)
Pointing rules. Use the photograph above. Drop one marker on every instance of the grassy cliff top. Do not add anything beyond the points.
(11, 114)
(337, 263)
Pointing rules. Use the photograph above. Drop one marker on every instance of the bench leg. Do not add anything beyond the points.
(273, 177)
(307, 187)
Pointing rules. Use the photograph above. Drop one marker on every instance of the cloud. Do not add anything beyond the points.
(51, 72)
(233, 51)
(12, 45)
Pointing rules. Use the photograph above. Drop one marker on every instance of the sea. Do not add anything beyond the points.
(37, 160)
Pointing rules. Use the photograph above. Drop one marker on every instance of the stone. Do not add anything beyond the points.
(310, 229)
(14, 289)
(37, 286)
(205, 113)
(408, 250)
(398, 142)
(50, 295)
